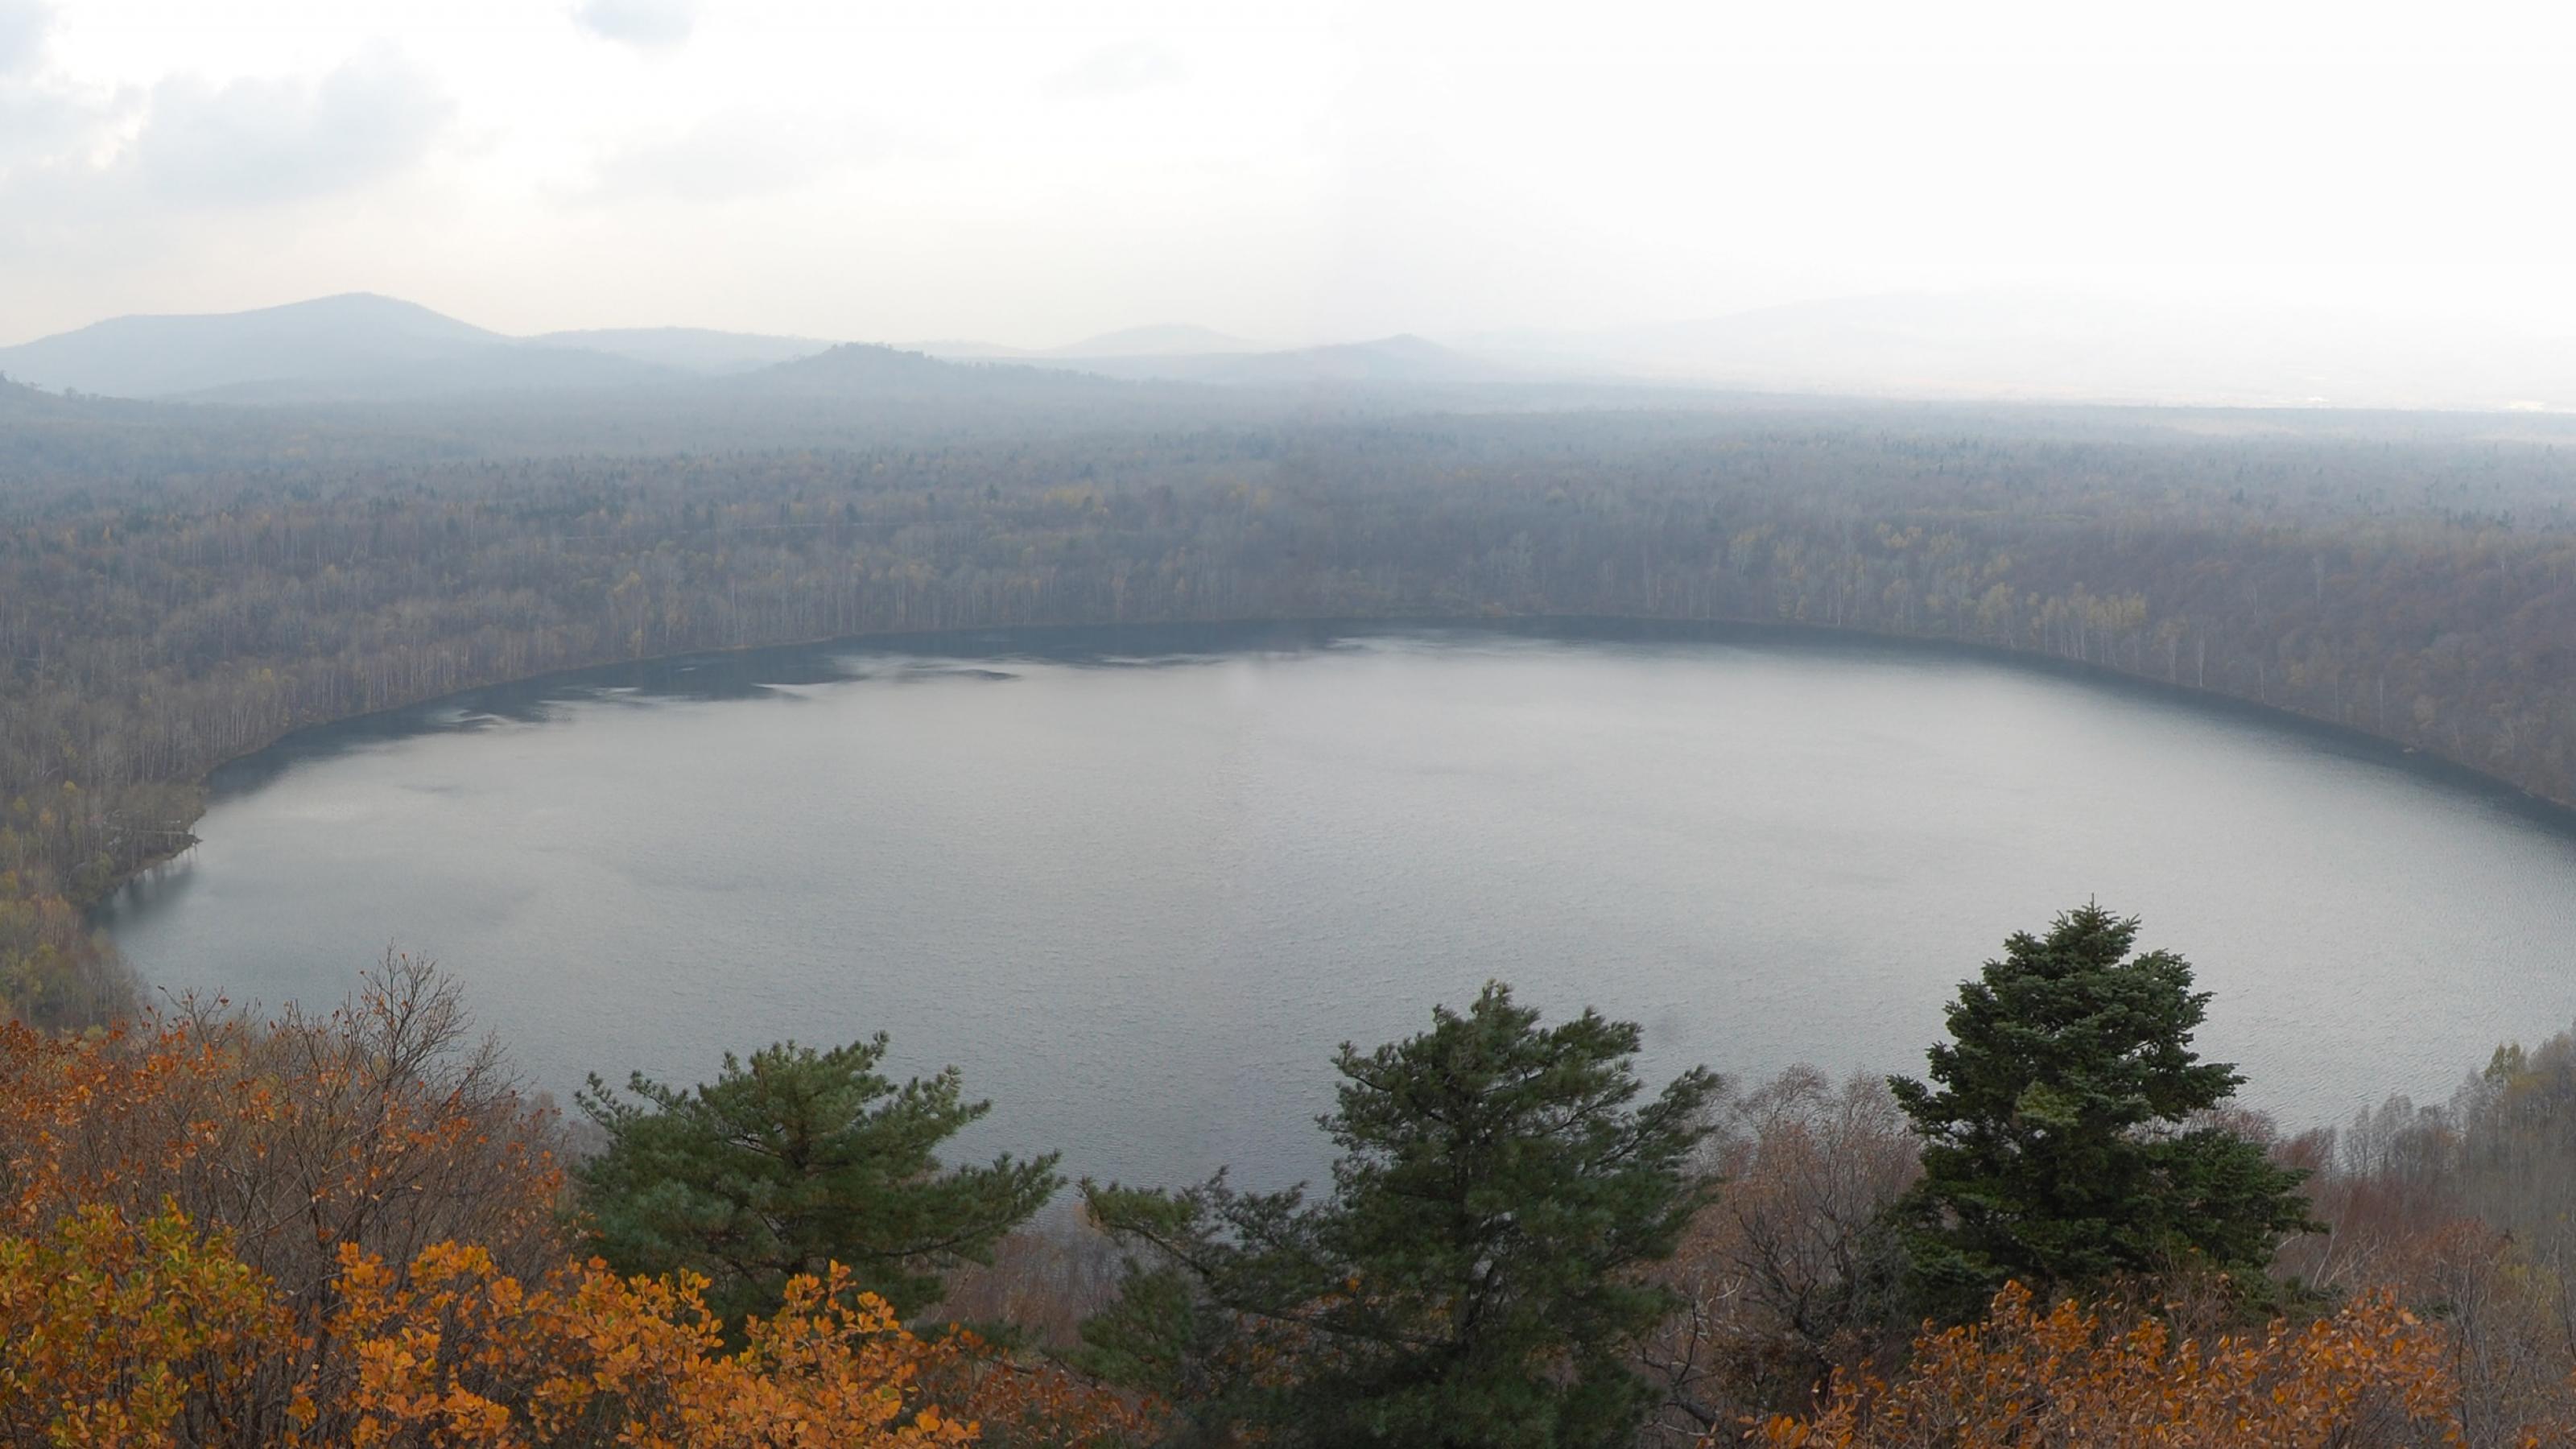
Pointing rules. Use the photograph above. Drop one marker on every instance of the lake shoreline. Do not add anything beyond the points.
(2348, 740)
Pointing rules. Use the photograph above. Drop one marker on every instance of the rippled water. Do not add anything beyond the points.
(1139, 895)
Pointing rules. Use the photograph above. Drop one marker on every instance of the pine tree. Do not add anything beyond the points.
(791, 1162)
(1473, 1277)
(2058, 1144)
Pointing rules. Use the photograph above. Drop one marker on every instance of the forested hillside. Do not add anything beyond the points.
(178, 586)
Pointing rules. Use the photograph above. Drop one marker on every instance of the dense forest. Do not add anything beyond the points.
(179, 585)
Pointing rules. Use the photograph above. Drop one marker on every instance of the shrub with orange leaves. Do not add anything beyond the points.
(381, 1123)
(2071, 1378)
(453, 1352)
(122, 1334)
(342, 1230)
(110, 1330)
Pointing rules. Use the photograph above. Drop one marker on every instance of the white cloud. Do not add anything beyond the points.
(254, 141)
(1116, 70)
(41, 125)
(103, 184)
(642, 23)
(1035, 169)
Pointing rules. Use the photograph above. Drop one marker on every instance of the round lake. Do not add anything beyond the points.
(1138, 885)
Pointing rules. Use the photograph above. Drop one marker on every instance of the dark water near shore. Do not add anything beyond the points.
(1138, 885)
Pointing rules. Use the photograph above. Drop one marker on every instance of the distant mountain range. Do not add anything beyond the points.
(1401, 361)
(360, 347)
(1383, 363)
(2010, 346)
(864, 367)
(687, 349)
(1166, 340)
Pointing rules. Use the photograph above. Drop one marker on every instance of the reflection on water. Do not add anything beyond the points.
(1139, 883)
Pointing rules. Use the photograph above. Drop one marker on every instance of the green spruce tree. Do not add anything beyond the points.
(2059, 1142)
(790, 1162)
(1473, 1278)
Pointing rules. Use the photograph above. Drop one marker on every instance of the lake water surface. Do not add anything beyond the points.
(1138, 885)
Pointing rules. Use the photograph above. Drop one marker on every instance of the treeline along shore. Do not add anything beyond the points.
(180, 586)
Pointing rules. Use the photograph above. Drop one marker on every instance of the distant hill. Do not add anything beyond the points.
(1162, 340)
(17, 400)
(858, 369)
(351, 347)
(1400, 361)
(166, 356)
(361, 347)
(509, 368)
(686, 349)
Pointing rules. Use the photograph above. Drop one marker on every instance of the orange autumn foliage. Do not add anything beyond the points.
(342, 1230)
(2371, 1374)
(108, 1330)
(453, 1352)
(115, 1334)
(381, 1123)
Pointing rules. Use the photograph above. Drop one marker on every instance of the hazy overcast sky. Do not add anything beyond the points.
(1031, 172)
